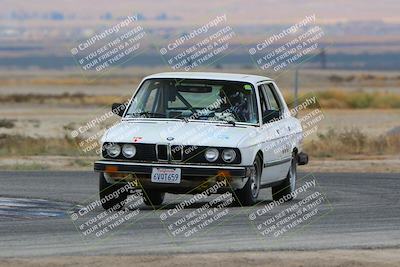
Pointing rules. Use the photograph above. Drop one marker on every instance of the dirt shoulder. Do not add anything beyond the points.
(384, 164)
(360, 258)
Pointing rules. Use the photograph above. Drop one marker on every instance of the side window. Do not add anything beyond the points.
(263, 103)
(270, 105)
(273, 100)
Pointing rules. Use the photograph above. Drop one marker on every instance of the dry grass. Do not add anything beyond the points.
(26, 167)
(352, 142)
(323, 258)
(331, 144)
(360, 77)
(332, 99)
(65, 98)
(338, 99)
(6, 123)
(17, 145)
(69, 81)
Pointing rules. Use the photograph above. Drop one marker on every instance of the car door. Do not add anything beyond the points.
(275, 134)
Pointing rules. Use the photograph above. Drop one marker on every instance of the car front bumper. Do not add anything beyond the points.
(192, 176)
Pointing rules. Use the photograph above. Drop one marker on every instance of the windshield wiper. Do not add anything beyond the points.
(150, 114)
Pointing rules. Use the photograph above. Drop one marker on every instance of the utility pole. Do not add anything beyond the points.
(296, 87)
(323, 58)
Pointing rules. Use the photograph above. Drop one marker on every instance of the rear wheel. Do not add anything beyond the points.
(110, 196)
(248, 194)
(153, 198)
(288, 185)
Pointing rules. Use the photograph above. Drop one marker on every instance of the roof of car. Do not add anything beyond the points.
(211, 76)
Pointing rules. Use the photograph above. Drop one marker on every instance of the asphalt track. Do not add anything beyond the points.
(357, 211)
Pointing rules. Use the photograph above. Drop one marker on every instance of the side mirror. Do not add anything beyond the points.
(118, 108)
(271, 116)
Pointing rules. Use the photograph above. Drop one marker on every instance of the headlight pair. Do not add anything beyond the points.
(228, 155)
(114, 150)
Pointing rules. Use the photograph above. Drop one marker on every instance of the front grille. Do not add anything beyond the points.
(184, 154)
(145, 152)
(177, 153)
(162, 152)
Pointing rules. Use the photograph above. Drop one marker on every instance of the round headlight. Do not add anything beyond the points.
(228, 155)
(113, 150)
(128, 150)
(211, 154)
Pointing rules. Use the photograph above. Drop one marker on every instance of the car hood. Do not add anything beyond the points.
(178, 132)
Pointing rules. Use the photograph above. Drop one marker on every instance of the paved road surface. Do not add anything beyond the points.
(344, 211)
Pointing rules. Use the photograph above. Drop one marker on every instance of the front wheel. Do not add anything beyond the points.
(153, 198)
(288, 185)
(248, 194)
(110, 195)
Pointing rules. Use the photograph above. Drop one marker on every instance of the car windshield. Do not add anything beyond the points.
(212, 100)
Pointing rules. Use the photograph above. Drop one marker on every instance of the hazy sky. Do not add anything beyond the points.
(194, 12)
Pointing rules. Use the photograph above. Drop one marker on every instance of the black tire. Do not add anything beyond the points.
(288, 185)
(153, 198)
(247, 196)
(106, 189)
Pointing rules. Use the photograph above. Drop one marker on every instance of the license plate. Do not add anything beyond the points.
(166, 175)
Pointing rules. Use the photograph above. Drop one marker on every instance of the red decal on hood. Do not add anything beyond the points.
(137, 139)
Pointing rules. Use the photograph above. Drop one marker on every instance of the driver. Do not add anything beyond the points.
(236, 101)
